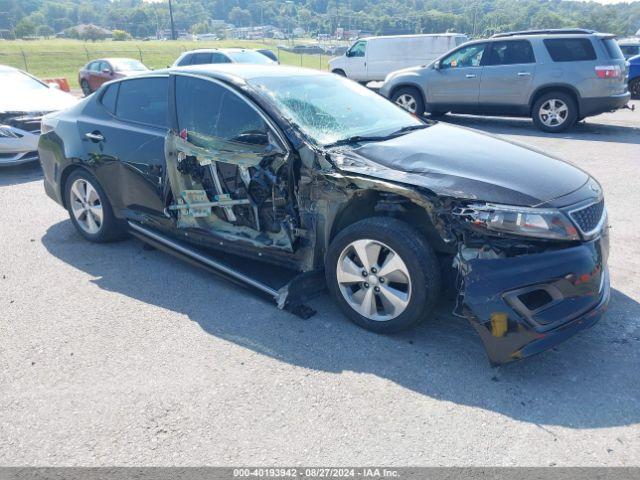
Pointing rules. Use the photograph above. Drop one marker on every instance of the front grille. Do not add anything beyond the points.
(28, 124)
(588, 218)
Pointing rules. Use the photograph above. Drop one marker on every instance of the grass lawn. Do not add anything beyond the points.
(63, 58)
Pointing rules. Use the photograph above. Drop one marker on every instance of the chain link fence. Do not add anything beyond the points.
(66, 63)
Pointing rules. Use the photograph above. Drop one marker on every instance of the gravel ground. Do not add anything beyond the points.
(115, 355)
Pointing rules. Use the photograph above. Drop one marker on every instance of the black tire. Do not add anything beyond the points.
(86, 89)
(415, 252)
(409, 92)
(568, 121)
(634, 88)
(339, 72)
(110, 229)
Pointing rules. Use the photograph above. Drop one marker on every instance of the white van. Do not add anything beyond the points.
(372, 58)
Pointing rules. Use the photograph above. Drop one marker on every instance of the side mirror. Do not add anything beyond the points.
(436, 65)
(107, 71)
(347, 53)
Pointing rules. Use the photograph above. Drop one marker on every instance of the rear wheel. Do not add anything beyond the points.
(86, 89)
(90, 210)
(410, 99)
(554, 112)
(634, 87)
(383, 274)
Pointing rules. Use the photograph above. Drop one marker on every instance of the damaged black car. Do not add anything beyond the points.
(284, 180)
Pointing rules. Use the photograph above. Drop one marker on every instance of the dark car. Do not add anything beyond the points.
(311, 178)
(97, 72)
(634, 76)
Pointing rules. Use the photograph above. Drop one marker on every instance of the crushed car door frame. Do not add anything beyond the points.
(209, 220)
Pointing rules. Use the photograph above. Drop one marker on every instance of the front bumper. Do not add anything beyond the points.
(23, 149)
(597, 105)
(524, 305)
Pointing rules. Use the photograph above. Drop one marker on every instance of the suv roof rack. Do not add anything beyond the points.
(552, 31)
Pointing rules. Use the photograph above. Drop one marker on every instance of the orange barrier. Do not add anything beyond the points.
(61, 82)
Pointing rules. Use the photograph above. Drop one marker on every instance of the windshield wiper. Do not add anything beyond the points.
(378, 138)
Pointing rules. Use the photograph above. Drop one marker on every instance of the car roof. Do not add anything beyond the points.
(240, 72)
(417, 35)
(629, 41)
(223, 50)
(551, 33)
(113, 59)
(7, 68)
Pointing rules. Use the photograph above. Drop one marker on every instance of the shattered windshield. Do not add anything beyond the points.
(329, 108)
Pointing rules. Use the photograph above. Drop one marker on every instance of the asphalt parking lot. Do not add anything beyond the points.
(116, 355)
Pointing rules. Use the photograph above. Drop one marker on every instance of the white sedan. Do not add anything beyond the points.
(23, 101)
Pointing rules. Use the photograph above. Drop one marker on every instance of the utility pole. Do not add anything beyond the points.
(173, 29)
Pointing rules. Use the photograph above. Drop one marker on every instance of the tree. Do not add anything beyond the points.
(120, 36)
(202, 27)
(240, 17)
(45, 31)
(25, 28)
(93, 33)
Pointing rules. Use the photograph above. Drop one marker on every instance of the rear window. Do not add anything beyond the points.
(201, 58)
(144, 100)
(630, 50)
(570, 49)
(612, 48)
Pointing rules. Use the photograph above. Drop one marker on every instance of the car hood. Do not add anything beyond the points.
(463, 163)
(41, 100)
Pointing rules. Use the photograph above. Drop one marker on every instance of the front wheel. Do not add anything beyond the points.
(410, 99)
(86, 89)
(554, 112)
(383, 274)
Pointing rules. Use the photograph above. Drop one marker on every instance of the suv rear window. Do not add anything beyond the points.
(612, 48)
(570, 49)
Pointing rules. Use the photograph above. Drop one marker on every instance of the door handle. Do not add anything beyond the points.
(524, 74)
(470, 75)
(94, 136)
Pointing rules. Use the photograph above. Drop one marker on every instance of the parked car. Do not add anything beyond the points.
(306, 172)
(373, 58)
(630, 46)
(23, 101)
(206, 56)
(556, 77)
(97, 72)
(634, 76)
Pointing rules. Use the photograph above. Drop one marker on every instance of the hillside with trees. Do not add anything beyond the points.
(24, 18)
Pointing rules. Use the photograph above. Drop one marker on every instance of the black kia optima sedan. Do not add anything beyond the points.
(283, 179)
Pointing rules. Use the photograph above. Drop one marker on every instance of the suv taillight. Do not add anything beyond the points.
(608, 71)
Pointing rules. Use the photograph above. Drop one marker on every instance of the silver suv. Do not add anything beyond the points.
(556, 77)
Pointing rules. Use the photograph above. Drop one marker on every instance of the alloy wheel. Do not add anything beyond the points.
(553, 112)
(374, 280)
(407, 102)
(86, 206)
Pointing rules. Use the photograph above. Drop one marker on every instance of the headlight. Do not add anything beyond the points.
(547, 223)
(7, 132)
